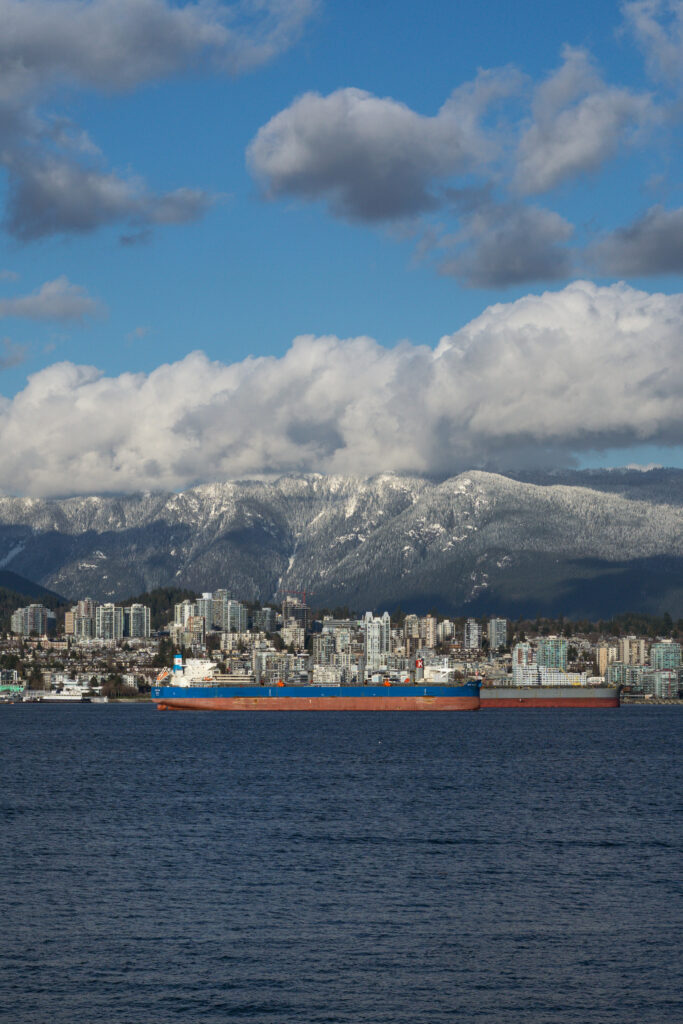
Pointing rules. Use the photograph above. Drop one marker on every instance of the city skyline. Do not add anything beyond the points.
(301, 236)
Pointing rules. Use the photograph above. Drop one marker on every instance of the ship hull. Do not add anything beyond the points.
(550, 697)
(318, 698)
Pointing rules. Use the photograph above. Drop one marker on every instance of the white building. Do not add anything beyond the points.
(108, 622)
(137, 621)
(376, 640)
(472, 635)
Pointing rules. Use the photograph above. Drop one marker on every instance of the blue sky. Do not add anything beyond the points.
(228, 177)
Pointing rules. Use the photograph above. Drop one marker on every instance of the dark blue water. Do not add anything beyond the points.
(506, 866)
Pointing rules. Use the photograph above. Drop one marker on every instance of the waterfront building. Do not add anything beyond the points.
(523, 658)
(665, 655)
(661, 683)
(552, 652)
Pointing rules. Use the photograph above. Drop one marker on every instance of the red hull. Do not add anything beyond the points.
(321, 703)
(551, 702)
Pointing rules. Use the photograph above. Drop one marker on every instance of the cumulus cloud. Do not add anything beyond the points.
(653, 244)
(55, 300)
(578, 122)
(507, 244)
(58, 181)
(657, 26)
(372, 158)
(580, 369)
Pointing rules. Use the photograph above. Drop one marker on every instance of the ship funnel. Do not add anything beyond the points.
(177, 663)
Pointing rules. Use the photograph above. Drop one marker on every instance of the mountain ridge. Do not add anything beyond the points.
(477, 540)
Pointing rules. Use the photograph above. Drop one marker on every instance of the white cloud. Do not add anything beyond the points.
(547, 376)
(57, 178)
(373, 158)
(54, 300)
(578, 122)
(657, 26)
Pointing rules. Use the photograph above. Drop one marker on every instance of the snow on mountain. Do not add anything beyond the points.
(584, 543)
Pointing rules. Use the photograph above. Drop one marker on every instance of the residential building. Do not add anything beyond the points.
(377, 640)
(551, 652)
(264, 620)
(34, 620)
(497, 634)
(108, 622)
(665, 655)
(137, 621)
(472, 637)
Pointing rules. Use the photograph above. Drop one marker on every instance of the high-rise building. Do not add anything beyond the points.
(376, 640)
(552, 652)
(235, 620)
(665, 655)
(183, 611)
(195, 631)
(323, 649)
(84, 619)
(296, 610)
(523, 660)
(444, 631)
(204, 607)
(497, 634)
(264, 620)
(631, 650)
(428, 631)
(137, 621)
(411, 627)
(605, 654)
(109, 622)
(472, 636)
(34, 620)
(219, 612)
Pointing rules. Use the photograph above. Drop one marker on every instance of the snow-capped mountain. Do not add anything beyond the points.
(586, 544)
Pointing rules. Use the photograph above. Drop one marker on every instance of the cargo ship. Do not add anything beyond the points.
(550, 696)
(193, 686)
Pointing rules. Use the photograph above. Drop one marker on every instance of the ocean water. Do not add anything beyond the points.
(504, 867)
